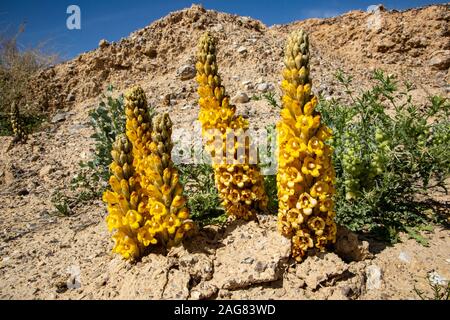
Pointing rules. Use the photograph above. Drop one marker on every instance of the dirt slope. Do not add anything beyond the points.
(44, 256)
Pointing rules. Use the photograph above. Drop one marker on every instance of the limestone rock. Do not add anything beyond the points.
(257, 256)
(440, 60)
(373, 275)
(186, 72)
(349, 247)
(315, 270)
(240, 97)
(177, 285)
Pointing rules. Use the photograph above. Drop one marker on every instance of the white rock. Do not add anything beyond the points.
(240, 97)
(373, 275)
(45, 171)
(403, 256)
(186, 72)
(264, 87)
(242, 50)
(103, 43)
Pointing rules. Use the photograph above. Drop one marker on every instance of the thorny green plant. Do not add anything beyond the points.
(384, 159)
(203, 200)
(107, 120)
(440, 291)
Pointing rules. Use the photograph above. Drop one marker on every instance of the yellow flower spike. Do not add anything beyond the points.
(305, 174)
(144, 183)
(235, 181)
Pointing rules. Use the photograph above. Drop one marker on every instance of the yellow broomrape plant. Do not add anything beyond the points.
(237, 176)
(305, 177)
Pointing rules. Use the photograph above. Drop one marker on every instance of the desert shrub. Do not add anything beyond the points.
(17, 66)
(107, 120)
(200, 190)
(387, 151)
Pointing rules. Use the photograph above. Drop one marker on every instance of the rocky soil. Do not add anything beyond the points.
(45, 256)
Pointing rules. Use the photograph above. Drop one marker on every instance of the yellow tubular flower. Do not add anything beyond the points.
(122, 200)
(239, 181)
(305, 174)
(166, 205)
(145, 204)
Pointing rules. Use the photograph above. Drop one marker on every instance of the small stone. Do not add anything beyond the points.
(240, 97)
(404, 257)
(70, 97)
(103, 43)
(242, 50)
(217, 28)
(265, 87)
(440, 60)
(187, 107)
(248, 260)
(373, 275)
(60, 116)
(186, 72)
(260, 266)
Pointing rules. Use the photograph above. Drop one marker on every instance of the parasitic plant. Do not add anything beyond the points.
(305, 176)
(237, 176)
(146, 206)
(16, 124)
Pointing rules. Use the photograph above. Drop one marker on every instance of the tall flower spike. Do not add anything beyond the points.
(16, 124)
(138, 126)
(238, 179)
(305, 176)
(166, 204)
(122, 200)
(146, 206)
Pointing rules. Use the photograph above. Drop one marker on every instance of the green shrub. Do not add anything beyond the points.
(386, 152)
(203, 199)
(107, 120)
(17, 67)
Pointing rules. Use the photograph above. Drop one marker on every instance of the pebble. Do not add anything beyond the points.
(240, 97)
(242, 50)
(403, 256)
(373, 274)
(186, 72)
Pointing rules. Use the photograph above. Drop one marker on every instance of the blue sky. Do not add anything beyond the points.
(114, 19)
